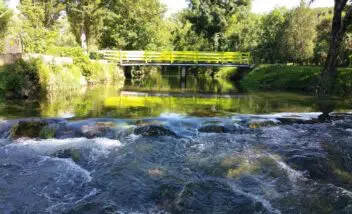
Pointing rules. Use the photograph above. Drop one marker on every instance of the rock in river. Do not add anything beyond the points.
(214, 129)
(207, 197)
(153, 131)
(29, 129)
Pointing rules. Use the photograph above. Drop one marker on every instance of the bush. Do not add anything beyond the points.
(96, 55)
(20, 79)
(66, 51)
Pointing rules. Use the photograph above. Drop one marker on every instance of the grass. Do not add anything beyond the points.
(293, 78)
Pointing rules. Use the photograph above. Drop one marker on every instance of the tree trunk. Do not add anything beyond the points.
(83, 40)
(339, 27)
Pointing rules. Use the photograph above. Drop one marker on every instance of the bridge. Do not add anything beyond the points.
(178, 58)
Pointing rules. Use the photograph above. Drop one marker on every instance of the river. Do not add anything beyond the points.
(165, 145)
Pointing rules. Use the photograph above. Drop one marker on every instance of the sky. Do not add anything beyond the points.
(258, 6)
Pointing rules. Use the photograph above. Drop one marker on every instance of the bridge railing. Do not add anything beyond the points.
(177, 57)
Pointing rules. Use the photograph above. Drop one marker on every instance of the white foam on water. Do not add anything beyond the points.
(54, 208)
(69, 165)
(171, 116)
(264, 202)
(52, 145)
(293, 175)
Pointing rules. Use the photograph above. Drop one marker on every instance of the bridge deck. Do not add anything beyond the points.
(178, 58)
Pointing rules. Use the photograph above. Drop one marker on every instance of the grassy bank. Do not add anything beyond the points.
(33, 78)
(293, 78)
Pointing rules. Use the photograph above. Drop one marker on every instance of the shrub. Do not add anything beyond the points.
(20, 79)
(66, 51)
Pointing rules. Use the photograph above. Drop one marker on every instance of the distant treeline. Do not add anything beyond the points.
(300, 35)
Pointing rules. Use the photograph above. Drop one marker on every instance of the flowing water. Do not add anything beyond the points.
(161, 146)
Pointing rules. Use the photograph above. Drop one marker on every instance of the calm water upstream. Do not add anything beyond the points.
(165, 145)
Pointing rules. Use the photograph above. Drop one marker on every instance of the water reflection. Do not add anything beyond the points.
(159, 93)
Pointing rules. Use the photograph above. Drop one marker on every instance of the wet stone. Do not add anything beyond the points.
(93, 208)
(213, 197)
(290, 121)
(74, 154)
(214, 129)
(154, 131)
(30, 129)
(93, 131)
(255, 124)
(316, 167)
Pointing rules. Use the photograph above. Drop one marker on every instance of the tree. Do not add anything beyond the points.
(272, 27)
(86, 19)
(300, 33)
(5, 16)
(243, 32)
(36, 26)
(210, 18)
(135, 25)
(340, 25)
(184, 38)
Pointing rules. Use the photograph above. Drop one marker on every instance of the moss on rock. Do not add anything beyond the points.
(29, 129)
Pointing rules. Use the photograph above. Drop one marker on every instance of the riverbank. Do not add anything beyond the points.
(294, 79)
(34, 78)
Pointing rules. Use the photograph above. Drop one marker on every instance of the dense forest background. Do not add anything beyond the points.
(300, 35)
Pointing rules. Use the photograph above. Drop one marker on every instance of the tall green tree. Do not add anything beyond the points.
(184, 38)
(135, 25)
(272, 28)
(86, 19)
(300, 34)
(243, 32)
(5, 16)
(210, 19)
(36, 26)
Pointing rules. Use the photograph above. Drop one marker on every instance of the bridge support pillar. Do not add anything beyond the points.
(183, 77)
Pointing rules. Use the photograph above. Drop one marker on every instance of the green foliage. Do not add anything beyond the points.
(135, 25)
(281, 77)
(299, 34)
(5, 16)
(226, 73)
(66, 51)
(210, 19)
(243, 32)
(272, 27)
(86, 19)
(20, 80)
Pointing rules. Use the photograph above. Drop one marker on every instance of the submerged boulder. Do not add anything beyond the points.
(214, 129)
(74, 154)
(97, 130)
(255, 124)
(154, 131)
(30, 129)
(207, 196)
